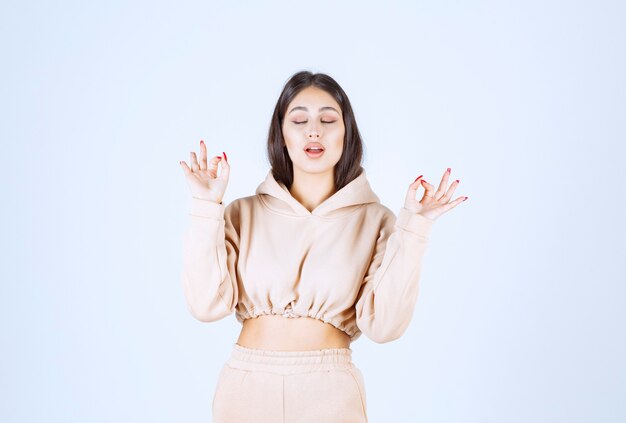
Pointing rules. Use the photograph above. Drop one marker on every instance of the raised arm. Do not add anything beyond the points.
(210, 251)
(211, 241)
(387, 298)
(389, 292)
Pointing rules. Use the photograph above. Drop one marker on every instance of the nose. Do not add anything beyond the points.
(313, 134)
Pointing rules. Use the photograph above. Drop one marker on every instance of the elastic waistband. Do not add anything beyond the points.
(289, 362)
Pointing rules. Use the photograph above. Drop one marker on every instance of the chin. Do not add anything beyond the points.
(315, 167)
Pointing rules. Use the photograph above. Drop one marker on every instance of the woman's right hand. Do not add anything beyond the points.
(202, 178)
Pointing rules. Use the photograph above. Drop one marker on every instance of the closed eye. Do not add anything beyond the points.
(324, 121)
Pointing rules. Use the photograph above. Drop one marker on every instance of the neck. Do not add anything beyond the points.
(311, 189)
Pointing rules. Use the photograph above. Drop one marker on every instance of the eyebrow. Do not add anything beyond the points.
(320, 109)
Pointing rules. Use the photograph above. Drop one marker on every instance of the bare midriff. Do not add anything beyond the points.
(279, 333)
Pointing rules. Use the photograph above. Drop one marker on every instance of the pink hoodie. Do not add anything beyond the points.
(350, 262)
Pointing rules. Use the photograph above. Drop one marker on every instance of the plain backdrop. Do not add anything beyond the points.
(521, 314)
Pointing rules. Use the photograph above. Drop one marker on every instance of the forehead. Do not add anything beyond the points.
(313, 98)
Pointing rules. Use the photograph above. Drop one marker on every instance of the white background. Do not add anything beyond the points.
(522, 303)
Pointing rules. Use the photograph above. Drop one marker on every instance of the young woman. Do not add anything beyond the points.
(307, 264)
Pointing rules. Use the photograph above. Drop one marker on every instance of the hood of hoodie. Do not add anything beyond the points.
(277, 197)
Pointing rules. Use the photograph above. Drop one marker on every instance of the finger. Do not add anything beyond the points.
(212, 168)
(185, 167)
(446, 197)
(203, 164)
(453, 204)
(443, 185)
(412, 192)
(225, 173)
(195, 167)
(430, 190)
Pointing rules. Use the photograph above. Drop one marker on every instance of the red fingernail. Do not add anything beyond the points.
(448, 170)
(457, 181)
(225, 158)
(423, 180)
(418, 178)
(465, 198)
(202, 142)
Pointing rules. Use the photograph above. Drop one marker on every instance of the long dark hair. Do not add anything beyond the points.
(349, 165)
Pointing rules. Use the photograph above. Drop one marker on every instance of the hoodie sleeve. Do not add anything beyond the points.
(210, 250)
(388, 295)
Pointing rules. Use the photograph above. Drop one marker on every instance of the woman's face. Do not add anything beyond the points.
(313, 116)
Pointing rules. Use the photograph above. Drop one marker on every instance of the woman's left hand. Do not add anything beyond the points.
(434, 203)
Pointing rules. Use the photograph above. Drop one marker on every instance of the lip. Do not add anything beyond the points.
(314, 155)
(314, 144)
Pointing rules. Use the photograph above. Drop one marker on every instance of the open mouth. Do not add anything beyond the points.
(314, 152)
(314, 149)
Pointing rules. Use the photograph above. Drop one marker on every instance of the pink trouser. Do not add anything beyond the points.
(316, 386)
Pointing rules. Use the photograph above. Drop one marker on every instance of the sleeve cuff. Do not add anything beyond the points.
(415, 223)
(207, 208)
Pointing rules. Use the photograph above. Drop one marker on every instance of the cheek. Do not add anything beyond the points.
(338, 137)
(288, 136)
